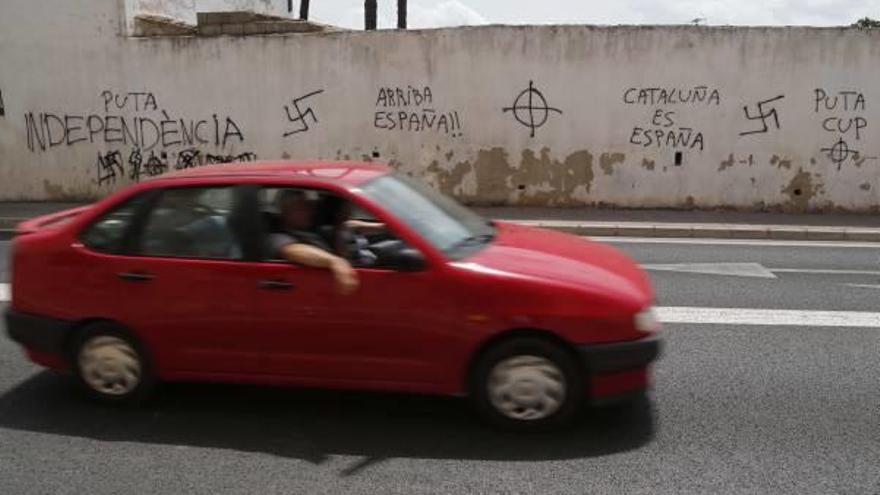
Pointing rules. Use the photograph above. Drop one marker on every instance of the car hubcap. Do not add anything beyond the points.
(110, 365)
(526, 387)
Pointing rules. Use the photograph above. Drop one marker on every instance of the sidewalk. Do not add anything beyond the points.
(683, 223)
(616, 222)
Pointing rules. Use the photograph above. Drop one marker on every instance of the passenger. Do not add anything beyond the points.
(298, 243)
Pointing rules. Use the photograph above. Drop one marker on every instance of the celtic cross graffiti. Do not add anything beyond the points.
(531, 109)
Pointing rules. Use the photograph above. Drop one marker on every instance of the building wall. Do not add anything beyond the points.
(185, 10)
(269, 7)
(748, 118)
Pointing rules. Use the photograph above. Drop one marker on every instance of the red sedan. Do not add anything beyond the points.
(176, 279)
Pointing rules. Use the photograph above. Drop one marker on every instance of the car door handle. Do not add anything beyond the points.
(136, 276)
(275, 285)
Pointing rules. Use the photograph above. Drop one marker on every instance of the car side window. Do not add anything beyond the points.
(107, 234)
(329, 222)
(192, 222)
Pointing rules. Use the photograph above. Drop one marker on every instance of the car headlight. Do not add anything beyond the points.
(646, 320)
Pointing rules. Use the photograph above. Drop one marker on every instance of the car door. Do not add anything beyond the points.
(390, 331)
(183, 283)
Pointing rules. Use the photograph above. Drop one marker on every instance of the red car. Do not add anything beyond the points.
(174, 279)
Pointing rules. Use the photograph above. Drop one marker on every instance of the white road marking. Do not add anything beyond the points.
(703, 241)
(5, 293)
(755, 270)
(824, 272)
(864, 286)
(768, 317)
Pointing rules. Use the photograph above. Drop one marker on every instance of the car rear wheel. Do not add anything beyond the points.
(111, 366)
(527, 384)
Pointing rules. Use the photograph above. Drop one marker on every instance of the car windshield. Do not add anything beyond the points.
(447, 225)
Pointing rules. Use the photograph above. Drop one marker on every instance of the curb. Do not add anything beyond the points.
(647, 229)
(8, 223)
(710, 230)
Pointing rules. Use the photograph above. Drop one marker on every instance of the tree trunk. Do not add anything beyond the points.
(304, 10)
(401, 14)
(370, 15)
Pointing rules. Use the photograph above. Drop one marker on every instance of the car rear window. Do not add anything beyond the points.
(192, 222)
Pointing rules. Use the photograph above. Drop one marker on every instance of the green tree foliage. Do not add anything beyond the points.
(867, 23)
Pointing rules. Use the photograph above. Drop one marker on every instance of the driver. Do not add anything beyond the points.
(298, 244)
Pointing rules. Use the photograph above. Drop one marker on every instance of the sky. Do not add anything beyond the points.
(442, 13)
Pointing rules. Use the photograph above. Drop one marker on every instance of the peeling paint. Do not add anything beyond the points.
(449, 181)
(781, 163)
(608, 160)
(859, 159)
(731, 161)
(866, 186)
(53, 191)
(648, 164)
(726, 163)
(535, 180)
(57, 192)
(801, 190)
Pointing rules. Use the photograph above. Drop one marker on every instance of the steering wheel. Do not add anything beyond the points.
(206, 210)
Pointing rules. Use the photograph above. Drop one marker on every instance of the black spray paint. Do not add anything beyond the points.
(411, 109)
(764, 112)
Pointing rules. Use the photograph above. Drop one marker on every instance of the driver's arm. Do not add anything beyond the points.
(304, 254)
(366, 227)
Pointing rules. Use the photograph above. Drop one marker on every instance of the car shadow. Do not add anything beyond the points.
(311, 425)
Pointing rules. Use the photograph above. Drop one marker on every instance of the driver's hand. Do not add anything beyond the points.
(346, 278)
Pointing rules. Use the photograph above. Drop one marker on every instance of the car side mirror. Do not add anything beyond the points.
(408, 260)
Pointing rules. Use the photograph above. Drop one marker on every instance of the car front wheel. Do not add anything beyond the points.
(527, 384)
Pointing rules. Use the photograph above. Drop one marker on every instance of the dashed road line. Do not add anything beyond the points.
(755, 270)
(706, 241)
(767, 317)
(864, 286)
(824, 271)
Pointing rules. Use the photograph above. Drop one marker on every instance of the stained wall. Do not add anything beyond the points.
(746, 118)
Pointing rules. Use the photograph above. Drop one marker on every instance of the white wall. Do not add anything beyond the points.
(185, 10)
(68, 61)
(180, 10)
(270, 7)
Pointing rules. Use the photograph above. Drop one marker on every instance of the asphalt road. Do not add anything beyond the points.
(735, 409)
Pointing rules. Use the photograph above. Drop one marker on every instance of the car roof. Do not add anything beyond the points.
(344, 172)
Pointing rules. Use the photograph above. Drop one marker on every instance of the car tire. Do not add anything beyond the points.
(111, 365)
(527, 384)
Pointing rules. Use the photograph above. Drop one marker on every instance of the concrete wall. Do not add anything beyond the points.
(269, 7)
(750, 118)
(184, 11)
